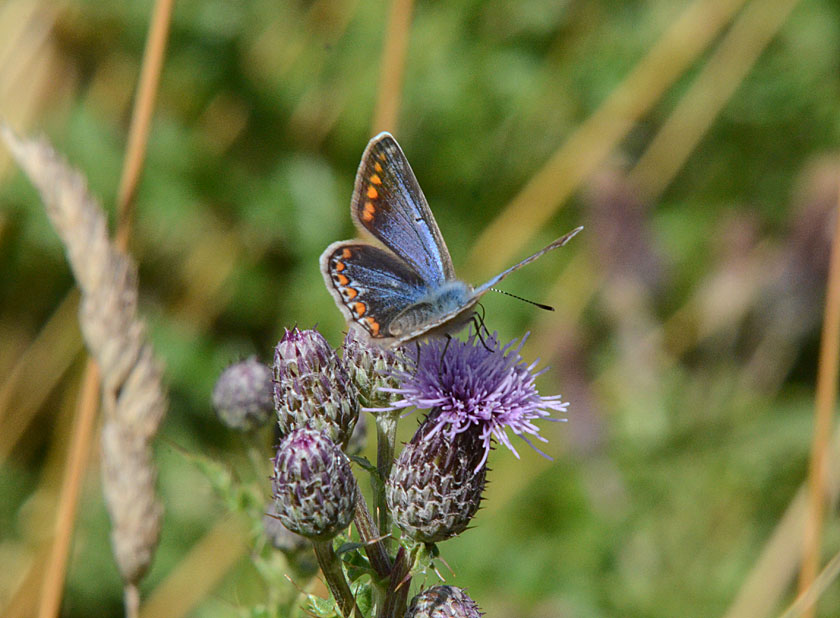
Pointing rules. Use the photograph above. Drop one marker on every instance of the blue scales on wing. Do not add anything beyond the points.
(372, 286)
(389, 204)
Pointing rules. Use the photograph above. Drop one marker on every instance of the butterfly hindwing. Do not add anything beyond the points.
(388, 203)
(370, 285)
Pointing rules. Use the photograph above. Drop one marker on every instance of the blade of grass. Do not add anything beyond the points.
(51, 592)
(775, 568)
(199, 571)
(393, 66)
(141, 118)
(808, 597)
(592, 142)
(701, 104)
(24, 601)
(77, 459)
(37, 372)
(772, 572)
(825, 402)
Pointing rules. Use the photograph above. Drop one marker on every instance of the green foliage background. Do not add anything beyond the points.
(677, 461)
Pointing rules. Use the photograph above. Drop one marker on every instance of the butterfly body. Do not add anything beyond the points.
(408, 290)
(445, 309)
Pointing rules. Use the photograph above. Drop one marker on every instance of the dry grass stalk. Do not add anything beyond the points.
(393, 66)
(133, 397)
(141, 118)
(697, 110)
(824, 413)
(588, 147)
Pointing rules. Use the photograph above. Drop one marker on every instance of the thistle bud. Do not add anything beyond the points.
(443, 602)
(372, 368)
(436, 483)
(311, 387)
(242, 396)
(279, 535)
(314, 490)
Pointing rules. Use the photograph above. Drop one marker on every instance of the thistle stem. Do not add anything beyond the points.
(375, 550)
(397, 596)
(333, 573)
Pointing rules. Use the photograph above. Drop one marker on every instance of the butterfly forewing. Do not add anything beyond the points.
(370, 285)
(554, 245)
(388, 203)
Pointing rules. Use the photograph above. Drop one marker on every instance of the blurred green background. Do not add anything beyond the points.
(688, 311)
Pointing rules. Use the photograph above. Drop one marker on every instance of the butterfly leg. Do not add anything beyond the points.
(443, 354)
(478, 322)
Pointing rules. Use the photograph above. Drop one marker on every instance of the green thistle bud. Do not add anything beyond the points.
(443, 602)
(242, 396)
(372, 368)
(435, 486)
(314, 490)
(311, 387)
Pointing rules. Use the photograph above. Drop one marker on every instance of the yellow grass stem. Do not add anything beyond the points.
(393, 66)
(702, 103)
(74, 472)
(199, 571)
(825, 401)
(586, 149)
(141, 118)
(51, 592)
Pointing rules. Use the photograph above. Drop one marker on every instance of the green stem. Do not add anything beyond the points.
(333, 573)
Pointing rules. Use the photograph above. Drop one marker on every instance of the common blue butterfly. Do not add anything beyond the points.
(408, 291)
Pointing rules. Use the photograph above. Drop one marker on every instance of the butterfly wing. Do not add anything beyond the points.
(554, 245)
(370, 285)
(388, 203)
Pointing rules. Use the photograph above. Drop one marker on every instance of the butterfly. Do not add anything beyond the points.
(408, 290)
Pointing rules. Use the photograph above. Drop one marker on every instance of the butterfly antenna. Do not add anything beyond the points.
(536, 304)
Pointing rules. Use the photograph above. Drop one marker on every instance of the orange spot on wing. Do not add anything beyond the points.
(360, 309)
(372, 193)
(375, 179)
(381, 156)
(351, 293)
(377, 167)
(346, 253)
(374, 326)
(342, 280)
(339, 266)
(367, 213)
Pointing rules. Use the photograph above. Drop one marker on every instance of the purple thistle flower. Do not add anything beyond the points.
(477, 384)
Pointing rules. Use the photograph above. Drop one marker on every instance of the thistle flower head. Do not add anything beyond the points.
(242, 395)
(435, 486)
(311, 387)
(315, 492)
(477, 384)
(443, 602)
